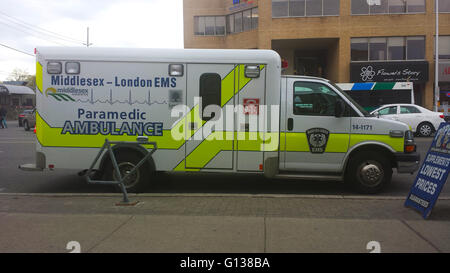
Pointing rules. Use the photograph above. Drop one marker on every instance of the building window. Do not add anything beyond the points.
(238, 22)
(301, 8)
(242, 21)
(230, 24)
(280, 8)
(387, 48)
(377, 49)
(415, 48)
(396, 48)
(361, 7)
(209, 25)
(444, 5)
(360, 49)
(444, 47)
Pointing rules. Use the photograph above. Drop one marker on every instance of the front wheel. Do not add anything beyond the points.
(369, 172)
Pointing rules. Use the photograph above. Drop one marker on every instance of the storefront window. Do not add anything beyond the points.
(377, 49)
(360, 49)
(361, 7)
(396, 48)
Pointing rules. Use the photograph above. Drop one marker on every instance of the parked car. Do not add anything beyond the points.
(22, 115)
(423, 122)
(29, 120)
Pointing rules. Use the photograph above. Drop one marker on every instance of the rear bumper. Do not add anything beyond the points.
(407, 163)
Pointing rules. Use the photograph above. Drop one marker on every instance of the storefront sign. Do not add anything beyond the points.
(389, 72)
(444, 72)
(432, 174)
(241, 4)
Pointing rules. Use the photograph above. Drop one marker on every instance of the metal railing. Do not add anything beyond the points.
(121, 180)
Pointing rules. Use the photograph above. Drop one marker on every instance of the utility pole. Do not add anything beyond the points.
(87, 39)
(436, 69)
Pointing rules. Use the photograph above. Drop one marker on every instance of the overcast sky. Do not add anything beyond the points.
(26, 24)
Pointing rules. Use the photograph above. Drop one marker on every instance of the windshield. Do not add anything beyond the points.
(360, 108)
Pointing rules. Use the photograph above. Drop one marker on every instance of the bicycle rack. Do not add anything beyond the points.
(107, 146)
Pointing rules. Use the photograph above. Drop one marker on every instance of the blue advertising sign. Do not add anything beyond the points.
(432, 174)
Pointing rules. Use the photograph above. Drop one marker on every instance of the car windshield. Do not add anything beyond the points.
(360, 108)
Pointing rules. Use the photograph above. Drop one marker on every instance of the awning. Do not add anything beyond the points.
(16, 89)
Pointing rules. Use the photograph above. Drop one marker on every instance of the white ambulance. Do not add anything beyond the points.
(207, 111)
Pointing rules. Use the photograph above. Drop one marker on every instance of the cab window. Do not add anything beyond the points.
(314, 99)
(409, 110)
(388, 111)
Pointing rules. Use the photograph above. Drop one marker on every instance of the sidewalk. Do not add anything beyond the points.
(229, 223)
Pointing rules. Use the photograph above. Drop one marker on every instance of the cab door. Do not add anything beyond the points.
(315, 140)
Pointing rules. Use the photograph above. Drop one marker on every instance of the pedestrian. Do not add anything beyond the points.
(3, 113)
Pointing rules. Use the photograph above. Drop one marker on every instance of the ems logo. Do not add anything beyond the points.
(317, 139)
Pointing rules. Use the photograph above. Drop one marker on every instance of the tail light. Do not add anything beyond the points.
(21, 116)
(410, 145)
(442, 116)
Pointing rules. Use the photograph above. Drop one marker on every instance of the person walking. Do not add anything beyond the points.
(3, 113)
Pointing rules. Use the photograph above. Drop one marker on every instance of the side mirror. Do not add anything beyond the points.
(377, 114)
(339, 109)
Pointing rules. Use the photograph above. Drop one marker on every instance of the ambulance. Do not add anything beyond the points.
(207, 110)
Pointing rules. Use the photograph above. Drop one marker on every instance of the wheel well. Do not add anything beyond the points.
(426, 122)
(124, 148)
(373, 148)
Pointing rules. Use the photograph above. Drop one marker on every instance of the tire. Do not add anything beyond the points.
(26, 126)
(126, 160)
(368, 172)
(425, 129)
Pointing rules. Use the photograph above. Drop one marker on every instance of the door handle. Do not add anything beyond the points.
(290, 124)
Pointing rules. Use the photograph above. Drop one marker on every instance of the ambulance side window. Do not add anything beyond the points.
(314, 99)
(210, 91)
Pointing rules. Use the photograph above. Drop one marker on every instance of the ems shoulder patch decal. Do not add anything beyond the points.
(317, 140)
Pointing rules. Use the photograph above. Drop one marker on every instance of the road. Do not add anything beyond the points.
(17, 147)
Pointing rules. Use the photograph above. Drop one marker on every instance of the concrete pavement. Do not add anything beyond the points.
(227, 223)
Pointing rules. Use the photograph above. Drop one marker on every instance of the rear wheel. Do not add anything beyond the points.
(126, 161)
(425, 129)
(369, 172)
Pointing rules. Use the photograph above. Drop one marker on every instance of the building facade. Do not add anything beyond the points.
(342, 40)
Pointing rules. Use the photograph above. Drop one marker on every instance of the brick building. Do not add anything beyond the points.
(342, 40)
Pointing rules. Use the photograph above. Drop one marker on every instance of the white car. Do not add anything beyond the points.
(422, 121)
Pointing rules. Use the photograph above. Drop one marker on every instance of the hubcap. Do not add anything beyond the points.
(371, 174)
(425, 130)
(126, 168)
